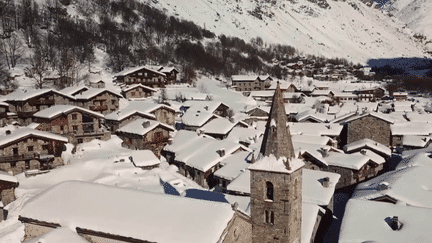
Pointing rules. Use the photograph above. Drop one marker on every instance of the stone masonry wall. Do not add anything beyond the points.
(286, 206)
(239, 230)
(369, 127)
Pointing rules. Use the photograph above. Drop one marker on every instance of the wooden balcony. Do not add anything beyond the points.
(42, 102)
(25, 114)
(23, 157)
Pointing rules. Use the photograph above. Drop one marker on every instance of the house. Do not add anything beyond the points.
(123, 117)
(368, 144)
(26, 103)
(248, 83)
(144, 159)
(343, 96)
(400, 131)
(371, 125)
(219, 128)
(370, 94)
(267, 95)
(163, 113)
(103, 101)
(322, 92)
(284, 86)
(145, 134)
(232, 167)
(142, 75)
(97, 84)
(332, 131)
(171, 74)
(78, 124)
(194, 120)
(28, 149)
(4, 107)
(137, 91)
(89, 208)
(384, 222)
(311, 116)
(400, 96)
(199, 164)
(216, 107)
(8, 183)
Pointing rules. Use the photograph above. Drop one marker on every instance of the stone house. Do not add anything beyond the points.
(216, 107)
(400, 96)
(137, 91)
(219, 128)
(284, 86)
(26, 103)
(78, 124)
(8, 183)
(199, 164)
(28, 149)
(171, 74)
(75, 90)
(370, 125)
(163, 113)
(103, 101)
(90, 210)
(142, 75)
(145, 134)
(193, 121)
(249, 83)
(118, 119)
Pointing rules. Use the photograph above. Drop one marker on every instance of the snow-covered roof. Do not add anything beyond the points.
(19, 95)
(92, 92)
(167, 69)
(244, 78)
(144, 158)
(374, 157)
(407, 185)
(197, 118)
(411, 128)
(315, 129)
(218, 126)
(415, 158)
(271, 163)
(242, 134)
(57, 110)
(417, 117)
(313, 190)
(90, 206)
(146, 106)
(309, 216)
(135, 69)
(4, 176)
(125, 113)
(312, 114)
(143, 126)
(3, 103)
(74, 89)
(416, 141)
(368, 221)
(61, 234)
(24, 132)
(314, 139)
(374, 114)
(127, 88)
(283, 85)
(295, 108)
(204, 105)
(352, 161)
(241, 183)
(235, 164)
(367, 143)
(185, 144)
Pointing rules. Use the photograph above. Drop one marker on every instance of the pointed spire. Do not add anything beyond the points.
(277, 138)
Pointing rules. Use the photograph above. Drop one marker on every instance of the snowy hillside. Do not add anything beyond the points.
(348, 29)
(415, 13)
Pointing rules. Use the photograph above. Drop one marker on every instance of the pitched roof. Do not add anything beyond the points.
(57, 110)
(248, 78)
(143, 126)
(374, 114)
(136, 86)
(24, 132)
(125, 113)
(92, 92)
(198, 118)
(135, 69)
(367, 143)
(20, 95)
(90, 206)
(74, 89)
(218, 126)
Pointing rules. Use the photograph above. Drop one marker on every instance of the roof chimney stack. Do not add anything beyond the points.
(146, 124)
(395, 224)
(326, 182)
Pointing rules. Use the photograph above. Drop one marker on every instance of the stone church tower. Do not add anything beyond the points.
(276, 182)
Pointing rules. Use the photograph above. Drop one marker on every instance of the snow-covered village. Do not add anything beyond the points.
(215, 121)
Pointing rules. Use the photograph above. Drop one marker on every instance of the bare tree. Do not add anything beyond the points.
(11, 48)
(38, 69)
(163, 97)
(6, 82)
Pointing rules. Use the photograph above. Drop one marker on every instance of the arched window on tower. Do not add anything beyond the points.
(269, 191)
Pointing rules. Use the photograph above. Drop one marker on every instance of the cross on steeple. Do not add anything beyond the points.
(277, 138)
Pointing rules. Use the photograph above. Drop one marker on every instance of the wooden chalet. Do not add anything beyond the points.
(103, 101)
(28, 149)
(78, 124)
(137, 91)
(142, 75)
(121, 118)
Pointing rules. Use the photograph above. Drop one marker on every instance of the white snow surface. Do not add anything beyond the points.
(312, 189)
(137, 126)
(101, 208)
(56, 110)
(271, 163)
(62, 234)
(366, 221)
(24, 132)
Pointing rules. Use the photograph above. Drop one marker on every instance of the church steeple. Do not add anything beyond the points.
(277, 138)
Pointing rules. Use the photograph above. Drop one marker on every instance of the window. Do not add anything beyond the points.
(269, 190)
(269, 217)
(45, 147)
(75, 128)
(34, 139)
(74, 116)
(132, 93)
(113, 102)
(80, 140)
(27, 165)
(30, 148)
(145, 75)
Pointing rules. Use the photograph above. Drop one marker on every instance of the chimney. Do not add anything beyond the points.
(383, 186)
(324, 152)
(363, 151)
(234, 206)
(221, 152)
(206, 107)
(326, 182)
(8, 132)
(252, 158)
(395, 224)
(199, 131)
(146, 124)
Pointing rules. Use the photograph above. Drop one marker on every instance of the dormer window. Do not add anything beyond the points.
(269, 191)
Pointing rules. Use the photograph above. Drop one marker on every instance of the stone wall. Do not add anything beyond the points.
(239, 229)
(7, 192)
(286, 206)
(165, 115)
(34, 230)
(369, 127)
(138, 92)
(148, 141)
(103, 103)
